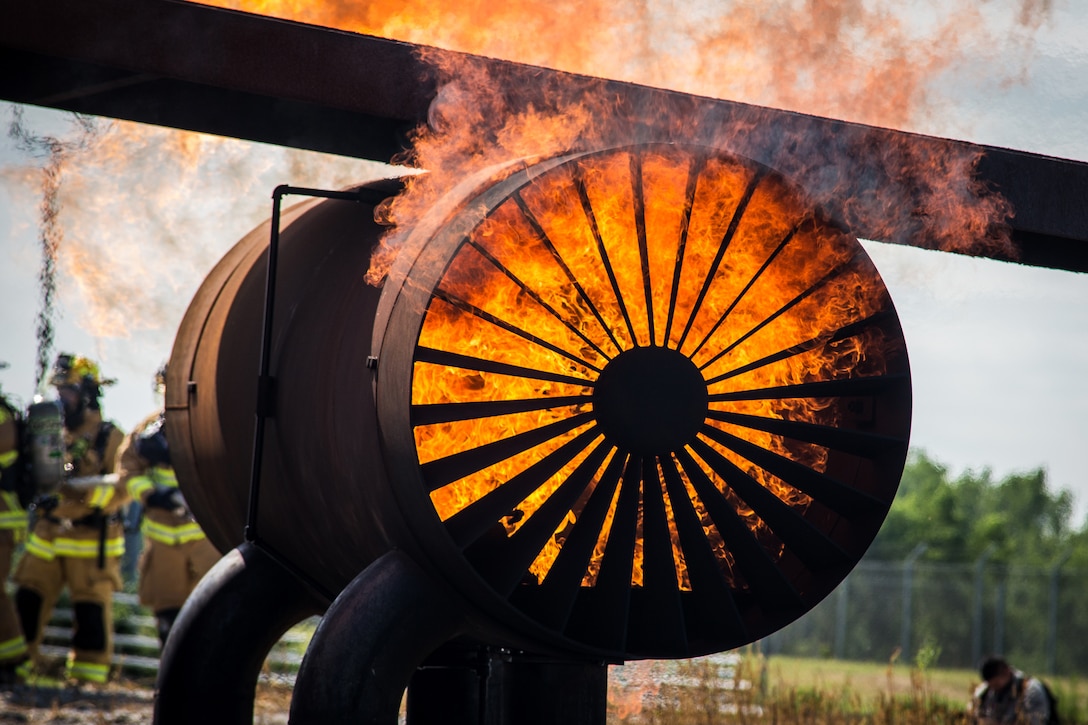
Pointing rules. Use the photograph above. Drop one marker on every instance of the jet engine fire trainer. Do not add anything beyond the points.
(634, 402)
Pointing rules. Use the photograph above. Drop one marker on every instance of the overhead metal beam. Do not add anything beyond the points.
(204, 69)
(199, 68)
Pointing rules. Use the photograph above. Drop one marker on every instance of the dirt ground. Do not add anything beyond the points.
(118, 703)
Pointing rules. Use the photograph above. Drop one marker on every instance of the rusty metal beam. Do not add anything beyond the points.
(193, 67)
(199, 68)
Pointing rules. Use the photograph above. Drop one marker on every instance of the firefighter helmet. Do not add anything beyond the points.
(75, 370)
(82, 374)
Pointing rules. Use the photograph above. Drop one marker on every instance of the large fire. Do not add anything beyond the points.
(869, 62)
(873, 63)
(662, 247)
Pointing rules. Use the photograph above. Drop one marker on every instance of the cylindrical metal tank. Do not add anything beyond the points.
(634, 402)
(322, 429)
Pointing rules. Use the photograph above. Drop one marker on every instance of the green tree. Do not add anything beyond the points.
(926, 510)
(958, 519)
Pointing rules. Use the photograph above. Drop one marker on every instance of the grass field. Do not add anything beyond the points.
(787, 690)
(870, 681)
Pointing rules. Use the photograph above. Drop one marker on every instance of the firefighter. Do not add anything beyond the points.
(13, 522)
(77, 540)
(176, 552)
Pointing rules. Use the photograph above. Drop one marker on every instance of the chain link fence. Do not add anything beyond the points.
(949, 615)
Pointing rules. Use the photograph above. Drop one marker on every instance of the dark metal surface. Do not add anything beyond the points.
(211, 661)
(370, 641)
(464, 683)
(188, 66)
(316, 491)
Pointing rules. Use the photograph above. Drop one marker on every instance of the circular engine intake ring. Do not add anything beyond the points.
(642, 401)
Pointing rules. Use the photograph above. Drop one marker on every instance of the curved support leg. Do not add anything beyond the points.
(370, 641)
(211, 661)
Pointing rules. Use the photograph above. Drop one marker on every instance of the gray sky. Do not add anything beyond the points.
(999, 352)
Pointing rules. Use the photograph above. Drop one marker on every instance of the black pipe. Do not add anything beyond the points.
(370, 641)
(266, 385)
(211, 661)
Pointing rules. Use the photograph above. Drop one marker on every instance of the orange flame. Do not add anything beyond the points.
(870, 62)
(873, 63)
(553, 280)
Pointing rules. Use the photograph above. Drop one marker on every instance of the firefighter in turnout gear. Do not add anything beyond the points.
(176, 552)
(77, 540)
(13, 522)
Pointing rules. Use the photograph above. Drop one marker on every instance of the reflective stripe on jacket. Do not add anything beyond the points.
(81, 542)
(13, 649)
(171, 535)
(154, 477)
(158, 525)
(87, 549)
(12, 515)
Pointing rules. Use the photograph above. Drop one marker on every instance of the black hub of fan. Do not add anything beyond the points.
(650, 400)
